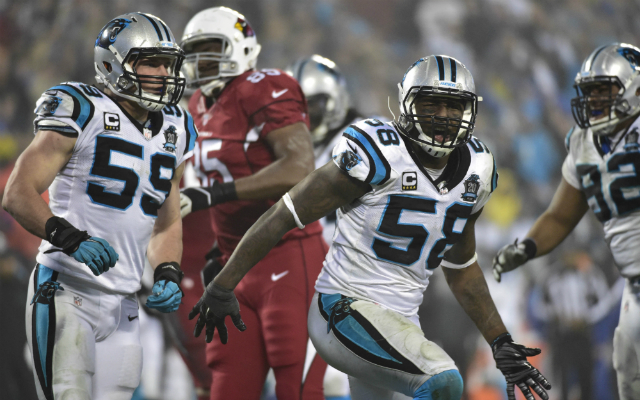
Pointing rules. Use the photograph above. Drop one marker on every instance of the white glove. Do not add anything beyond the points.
(185, 205)
(512, 256)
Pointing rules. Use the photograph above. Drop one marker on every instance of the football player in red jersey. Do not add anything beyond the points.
(254, 146)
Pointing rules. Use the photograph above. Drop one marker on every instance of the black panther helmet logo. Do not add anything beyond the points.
(109, 33)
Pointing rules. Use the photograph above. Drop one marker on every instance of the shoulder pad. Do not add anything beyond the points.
(191, 130)
(68, 100)
(478, 148)
(184, 118)
(372, 136)
(567, 139)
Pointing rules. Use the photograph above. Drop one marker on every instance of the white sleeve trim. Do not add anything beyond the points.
(451, 265)
(289, 203)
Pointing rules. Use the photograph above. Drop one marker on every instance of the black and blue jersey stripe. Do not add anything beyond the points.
(379, 169)
(83, 108)
(192, 132)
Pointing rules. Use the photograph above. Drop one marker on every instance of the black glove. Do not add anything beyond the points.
(198, 198)
(511, 360)
(512, 256)
(213, 307)
(212, 267)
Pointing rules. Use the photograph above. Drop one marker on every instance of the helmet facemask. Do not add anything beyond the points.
(321, 107)
(607, 87)
(211, 69)
(600, 104)
(438, 135)
(161, 90)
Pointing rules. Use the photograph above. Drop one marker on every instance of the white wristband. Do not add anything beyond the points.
(289, 204)
(448, 264)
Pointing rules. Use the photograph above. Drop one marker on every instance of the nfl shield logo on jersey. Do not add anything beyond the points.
(171, 137)
(471, 187)
(77, 300)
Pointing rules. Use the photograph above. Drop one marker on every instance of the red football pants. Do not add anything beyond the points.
(274, 302)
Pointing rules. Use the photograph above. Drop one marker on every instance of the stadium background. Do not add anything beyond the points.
(523, 54)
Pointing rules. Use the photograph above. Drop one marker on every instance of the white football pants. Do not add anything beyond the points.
(626, 344)
(84, 342)
(385, 354)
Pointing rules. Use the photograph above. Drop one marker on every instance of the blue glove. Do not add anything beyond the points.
(165, 296)
(97, 254)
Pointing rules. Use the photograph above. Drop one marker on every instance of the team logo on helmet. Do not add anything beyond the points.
(109, 33)
(348, 160)
(171, 137)
(631, 55)
(244, 27)
(471, 187)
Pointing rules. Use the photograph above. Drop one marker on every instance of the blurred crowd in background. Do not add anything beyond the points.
(524, 55)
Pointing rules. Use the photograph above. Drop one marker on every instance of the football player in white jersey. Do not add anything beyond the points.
(110, 157)
(600, 172)
(408, 193)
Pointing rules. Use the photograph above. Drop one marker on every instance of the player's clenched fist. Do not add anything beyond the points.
(166, 294)
(94, 252)
(512, 256)
(213, 307)
(198, 198)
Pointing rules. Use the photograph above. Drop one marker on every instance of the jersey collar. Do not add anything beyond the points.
(455, 170)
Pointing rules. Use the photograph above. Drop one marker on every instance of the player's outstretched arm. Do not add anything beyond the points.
(34, 172)
(320, 193)
(165, 251)
(294, 160)
(563, 214)
(470, 289)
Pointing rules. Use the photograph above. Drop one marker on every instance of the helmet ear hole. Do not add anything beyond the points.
(107, 66)
(246, 51)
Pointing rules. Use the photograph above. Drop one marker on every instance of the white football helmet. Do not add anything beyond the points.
(239, 47)
(122, 43)
(438, 77)
(613, 64)
(325, 88)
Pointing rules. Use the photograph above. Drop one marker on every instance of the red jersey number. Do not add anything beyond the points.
(207, 163)
(259, 75)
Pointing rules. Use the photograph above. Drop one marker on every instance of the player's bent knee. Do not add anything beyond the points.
(446, 385)
(74, 394)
